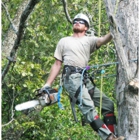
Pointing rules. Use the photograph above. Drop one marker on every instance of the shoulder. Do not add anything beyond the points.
(63, 41)
(65, 38)
(92, 37)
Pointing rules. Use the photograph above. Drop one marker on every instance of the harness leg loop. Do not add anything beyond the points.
(110, 121)
(97, 123)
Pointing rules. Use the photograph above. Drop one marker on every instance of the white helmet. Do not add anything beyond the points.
(83, 17)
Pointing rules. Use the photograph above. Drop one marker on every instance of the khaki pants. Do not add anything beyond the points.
(89, 103)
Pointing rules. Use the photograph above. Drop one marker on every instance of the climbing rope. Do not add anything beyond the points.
(102, 72)
(81, 82)
(99, 29)
(101, 91)
(59, 95)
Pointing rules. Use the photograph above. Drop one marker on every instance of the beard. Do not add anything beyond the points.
(78, 30)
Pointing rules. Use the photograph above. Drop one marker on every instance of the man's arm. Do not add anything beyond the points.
(54, 72)
(104, 40)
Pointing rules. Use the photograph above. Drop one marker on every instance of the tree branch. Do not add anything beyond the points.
(9, 18)
(20, 32)
(8, 122)
(134, 85)
(66, 11)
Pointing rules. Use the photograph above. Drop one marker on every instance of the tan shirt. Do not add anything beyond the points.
(75, 51)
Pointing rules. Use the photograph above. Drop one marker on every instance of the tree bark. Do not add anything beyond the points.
(11, 34)
(13, 44)
(123, 17)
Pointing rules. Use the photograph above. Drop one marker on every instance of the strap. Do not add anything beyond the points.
(96, 124)
(110, 119)
(77, 92)
(49, 91)
(73, 110)
(59, 97)
(73, 101)
(91, 79)
(46, 91)
(68, 72)
(72, 69)
(91, 92)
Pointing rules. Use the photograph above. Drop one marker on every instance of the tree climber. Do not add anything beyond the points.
(74, 51)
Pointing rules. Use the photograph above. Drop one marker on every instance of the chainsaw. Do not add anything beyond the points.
(43, 98)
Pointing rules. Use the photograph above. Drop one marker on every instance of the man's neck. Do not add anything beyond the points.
(79, 34)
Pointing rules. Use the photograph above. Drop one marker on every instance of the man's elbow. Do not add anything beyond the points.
(99, 43)
(58, 63)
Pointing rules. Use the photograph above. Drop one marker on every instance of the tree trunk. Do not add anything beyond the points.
(10, 37)
(123, 17)
(14, 43)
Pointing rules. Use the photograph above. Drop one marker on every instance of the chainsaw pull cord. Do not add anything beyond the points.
(81, 85)
(101, 93)
(59, 94)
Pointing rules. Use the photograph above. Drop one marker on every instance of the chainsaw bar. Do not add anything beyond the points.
(46, 98)
(27, 105)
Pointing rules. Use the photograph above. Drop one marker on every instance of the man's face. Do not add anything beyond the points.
(79, 26)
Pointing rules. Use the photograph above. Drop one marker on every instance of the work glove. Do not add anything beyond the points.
(45, 87)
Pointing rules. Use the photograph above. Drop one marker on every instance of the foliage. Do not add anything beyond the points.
(46, 25)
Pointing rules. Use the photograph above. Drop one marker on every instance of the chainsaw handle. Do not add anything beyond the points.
(47, 92)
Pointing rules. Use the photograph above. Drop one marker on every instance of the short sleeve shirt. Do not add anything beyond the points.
(75, 51)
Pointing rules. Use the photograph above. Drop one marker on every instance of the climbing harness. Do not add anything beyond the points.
(96, 123)
(68, 70)
(108, 64)
(110, 120)
(82, 78)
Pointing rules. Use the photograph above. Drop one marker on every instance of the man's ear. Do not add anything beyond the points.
(86, 28)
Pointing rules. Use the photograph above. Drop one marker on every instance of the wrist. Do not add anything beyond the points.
(47, 85)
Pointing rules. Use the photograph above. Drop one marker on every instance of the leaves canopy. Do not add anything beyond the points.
(45, 26)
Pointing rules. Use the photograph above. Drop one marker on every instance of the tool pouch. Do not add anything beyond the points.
(68, 72)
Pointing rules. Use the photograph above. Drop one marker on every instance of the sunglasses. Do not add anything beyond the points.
(79, 21)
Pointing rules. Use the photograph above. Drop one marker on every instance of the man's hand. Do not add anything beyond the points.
(104, 40)
(46, 86)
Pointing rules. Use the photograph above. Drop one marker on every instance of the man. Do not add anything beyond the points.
(74, 51)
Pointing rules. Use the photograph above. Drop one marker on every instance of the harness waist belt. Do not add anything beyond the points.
(72, 69)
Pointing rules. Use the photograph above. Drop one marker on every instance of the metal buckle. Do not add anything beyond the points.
(78, 69)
